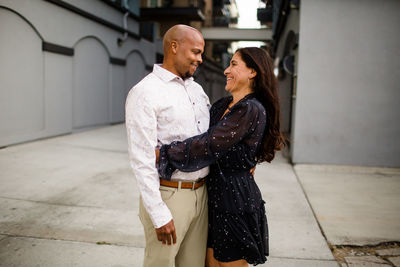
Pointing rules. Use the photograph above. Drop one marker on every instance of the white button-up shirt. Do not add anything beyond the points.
(160, 109)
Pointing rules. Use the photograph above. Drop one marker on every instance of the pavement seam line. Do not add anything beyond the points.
(63, 240)
(96, 148)
(311, 207)
(52, 204)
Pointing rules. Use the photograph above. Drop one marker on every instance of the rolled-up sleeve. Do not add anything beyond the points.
(141, 126)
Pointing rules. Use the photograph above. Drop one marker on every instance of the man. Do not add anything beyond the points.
(167, 105)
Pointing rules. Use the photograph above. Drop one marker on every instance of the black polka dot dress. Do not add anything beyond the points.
(237, 221)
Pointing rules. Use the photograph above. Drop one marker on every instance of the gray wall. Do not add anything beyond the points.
(44, 94)
(348, 91)
(285, 79)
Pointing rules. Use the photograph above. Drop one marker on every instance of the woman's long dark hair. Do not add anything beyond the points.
(265, 88)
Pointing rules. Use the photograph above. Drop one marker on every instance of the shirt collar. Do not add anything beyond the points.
(166, 75)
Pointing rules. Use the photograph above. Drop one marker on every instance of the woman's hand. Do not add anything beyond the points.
(252, 170)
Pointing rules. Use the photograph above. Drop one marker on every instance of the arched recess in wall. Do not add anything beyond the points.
(135, 69)
(90, 93)
(22, 114)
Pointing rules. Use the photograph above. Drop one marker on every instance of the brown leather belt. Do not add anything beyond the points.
(183, 185)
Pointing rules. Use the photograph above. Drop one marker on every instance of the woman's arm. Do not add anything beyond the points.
(202, 150)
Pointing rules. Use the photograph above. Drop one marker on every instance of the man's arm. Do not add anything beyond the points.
(252, 170)
(141, 126)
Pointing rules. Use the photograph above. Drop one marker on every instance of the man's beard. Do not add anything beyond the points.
(186, 75)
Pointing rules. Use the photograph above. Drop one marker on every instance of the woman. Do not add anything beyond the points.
(244, 130)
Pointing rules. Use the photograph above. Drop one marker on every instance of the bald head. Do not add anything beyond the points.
(179, 33)
(183, 46)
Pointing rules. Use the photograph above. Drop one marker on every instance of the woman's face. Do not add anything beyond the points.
(238, 75)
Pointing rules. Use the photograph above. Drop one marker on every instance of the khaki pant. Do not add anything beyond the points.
(189, 211)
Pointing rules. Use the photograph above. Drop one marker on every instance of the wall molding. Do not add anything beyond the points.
(67, 51)
(25, 19)
(117, 61)
(58, 49)
(95, 18)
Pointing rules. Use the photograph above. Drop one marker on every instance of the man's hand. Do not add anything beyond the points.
(165, 232)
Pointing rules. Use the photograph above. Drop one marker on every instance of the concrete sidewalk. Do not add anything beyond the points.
(73, 201)
(354, 205)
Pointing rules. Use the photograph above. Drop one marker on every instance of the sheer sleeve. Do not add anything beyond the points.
(202, 150)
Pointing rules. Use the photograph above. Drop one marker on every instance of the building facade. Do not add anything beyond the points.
(67, 65)
(338, 76)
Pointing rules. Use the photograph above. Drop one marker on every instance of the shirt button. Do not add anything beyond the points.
(198, 122)
(193, 103)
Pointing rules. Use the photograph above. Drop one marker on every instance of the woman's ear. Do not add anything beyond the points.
(253, 74)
